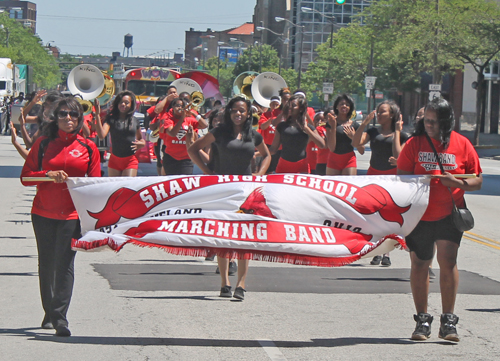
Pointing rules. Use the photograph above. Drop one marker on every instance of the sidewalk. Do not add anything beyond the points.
(489, 144)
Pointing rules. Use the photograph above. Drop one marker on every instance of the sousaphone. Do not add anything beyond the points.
(243, 84)
(86, 80)
(193, 88)
(265, 86)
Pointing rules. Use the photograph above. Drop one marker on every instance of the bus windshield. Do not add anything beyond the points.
(148, 88)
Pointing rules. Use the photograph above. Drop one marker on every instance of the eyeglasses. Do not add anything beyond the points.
(64, 114)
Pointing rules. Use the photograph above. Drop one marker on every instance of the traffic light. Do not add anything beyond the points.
(340, 2)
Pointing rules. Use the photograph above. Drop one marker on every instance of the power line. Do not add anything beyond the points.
(165, 21)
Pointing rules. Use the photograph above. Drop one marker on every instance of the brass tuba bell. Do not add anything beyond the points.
(197, 100)
(86, 105)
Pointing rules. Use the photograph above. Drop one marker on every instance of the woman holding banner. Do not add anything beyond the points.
(235, 142)
(436, 230)
(61, 154)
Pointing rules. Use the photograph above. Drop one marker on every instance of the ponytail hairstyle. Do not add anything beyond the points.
(394, 110)
(302, 107)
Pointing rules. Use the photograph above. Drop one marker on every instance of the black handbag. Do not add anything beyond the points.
(462, 217)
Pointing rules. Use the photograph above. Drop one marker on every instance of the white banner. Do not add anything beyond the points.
(304, 219)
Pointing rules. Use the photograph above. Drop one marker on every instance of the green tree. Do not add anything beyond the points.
(24, 48)
(251, 58)
(224, 71)
(473, 37)
(442, 36)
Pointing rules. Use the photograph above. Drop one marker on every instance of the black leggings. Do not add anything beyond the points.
(55, 264)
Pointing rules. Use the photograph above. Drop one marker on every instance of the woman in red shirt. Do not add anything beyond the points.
(436, 229)
(174, 128)
(61, 154)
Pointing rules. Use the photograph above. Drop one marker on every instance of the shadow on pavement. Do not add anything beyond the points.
(200, 342)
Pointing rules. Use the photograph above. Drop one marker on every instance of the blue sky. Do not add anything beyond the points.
(98, 26)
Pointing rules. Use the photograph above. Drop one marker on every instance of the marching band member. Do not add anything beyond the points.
(267, 129)
(436, 230)
(126, 136)
(340, 131)
(61, 154)
(293, 134)
(383, 145)
(174, 128)
(235, 142)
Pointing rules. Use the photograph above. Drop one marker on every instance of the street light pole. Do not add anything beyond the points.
(331, 18)
(278, 19)
(261, 28)
(300, 56)
(260, 49)
(219, 43)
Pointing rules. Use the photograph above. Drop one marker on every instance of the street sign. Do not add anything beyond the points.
(434, 94)
(327, 88)
(370, 82)
(434, 87)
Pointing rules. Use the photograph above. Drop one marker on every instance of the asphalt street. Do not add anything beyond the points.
(145, 304)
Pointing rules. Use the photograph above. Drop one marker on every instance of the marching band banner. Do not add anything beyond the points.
(294, 218)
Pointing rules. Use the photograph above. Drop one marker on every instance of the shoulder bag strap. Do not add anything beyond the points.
(440, 165)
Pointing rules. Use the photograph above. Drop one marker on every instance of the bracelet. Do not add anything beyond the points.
(198, 117)
(47, 174)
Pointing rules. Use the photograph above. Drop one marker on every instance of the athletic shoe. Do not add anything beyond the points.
(386, 261)
(239, 293)
(448, 329)
(233, 268)
(376, 260)
(225, 292)
(63, 331)
(423, 328)
(431, 274)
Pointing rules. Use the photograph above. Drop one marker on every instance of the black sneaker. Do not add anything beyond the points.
(225, 292)
(432, 275)
(423, 328)
(448, 329)
(386, 261)
(63, 331)
(376, 260)
(239, 293)
(233, 268)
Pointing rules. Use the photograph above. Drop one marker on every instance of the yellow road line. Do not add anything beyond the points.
(482, 237)
(480, 242)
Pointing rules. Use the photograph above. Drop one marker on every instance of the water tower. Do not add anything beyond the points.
(128, 41)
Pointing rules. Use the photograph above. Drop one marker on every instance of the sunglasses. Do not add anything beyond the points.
(64, 114)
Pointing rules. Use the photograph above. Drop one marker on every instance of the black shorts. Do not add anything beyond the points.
(421, 240)
(173, 166)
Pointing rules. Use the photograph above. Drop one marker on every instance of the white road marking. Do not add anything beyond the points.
(272, 351)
